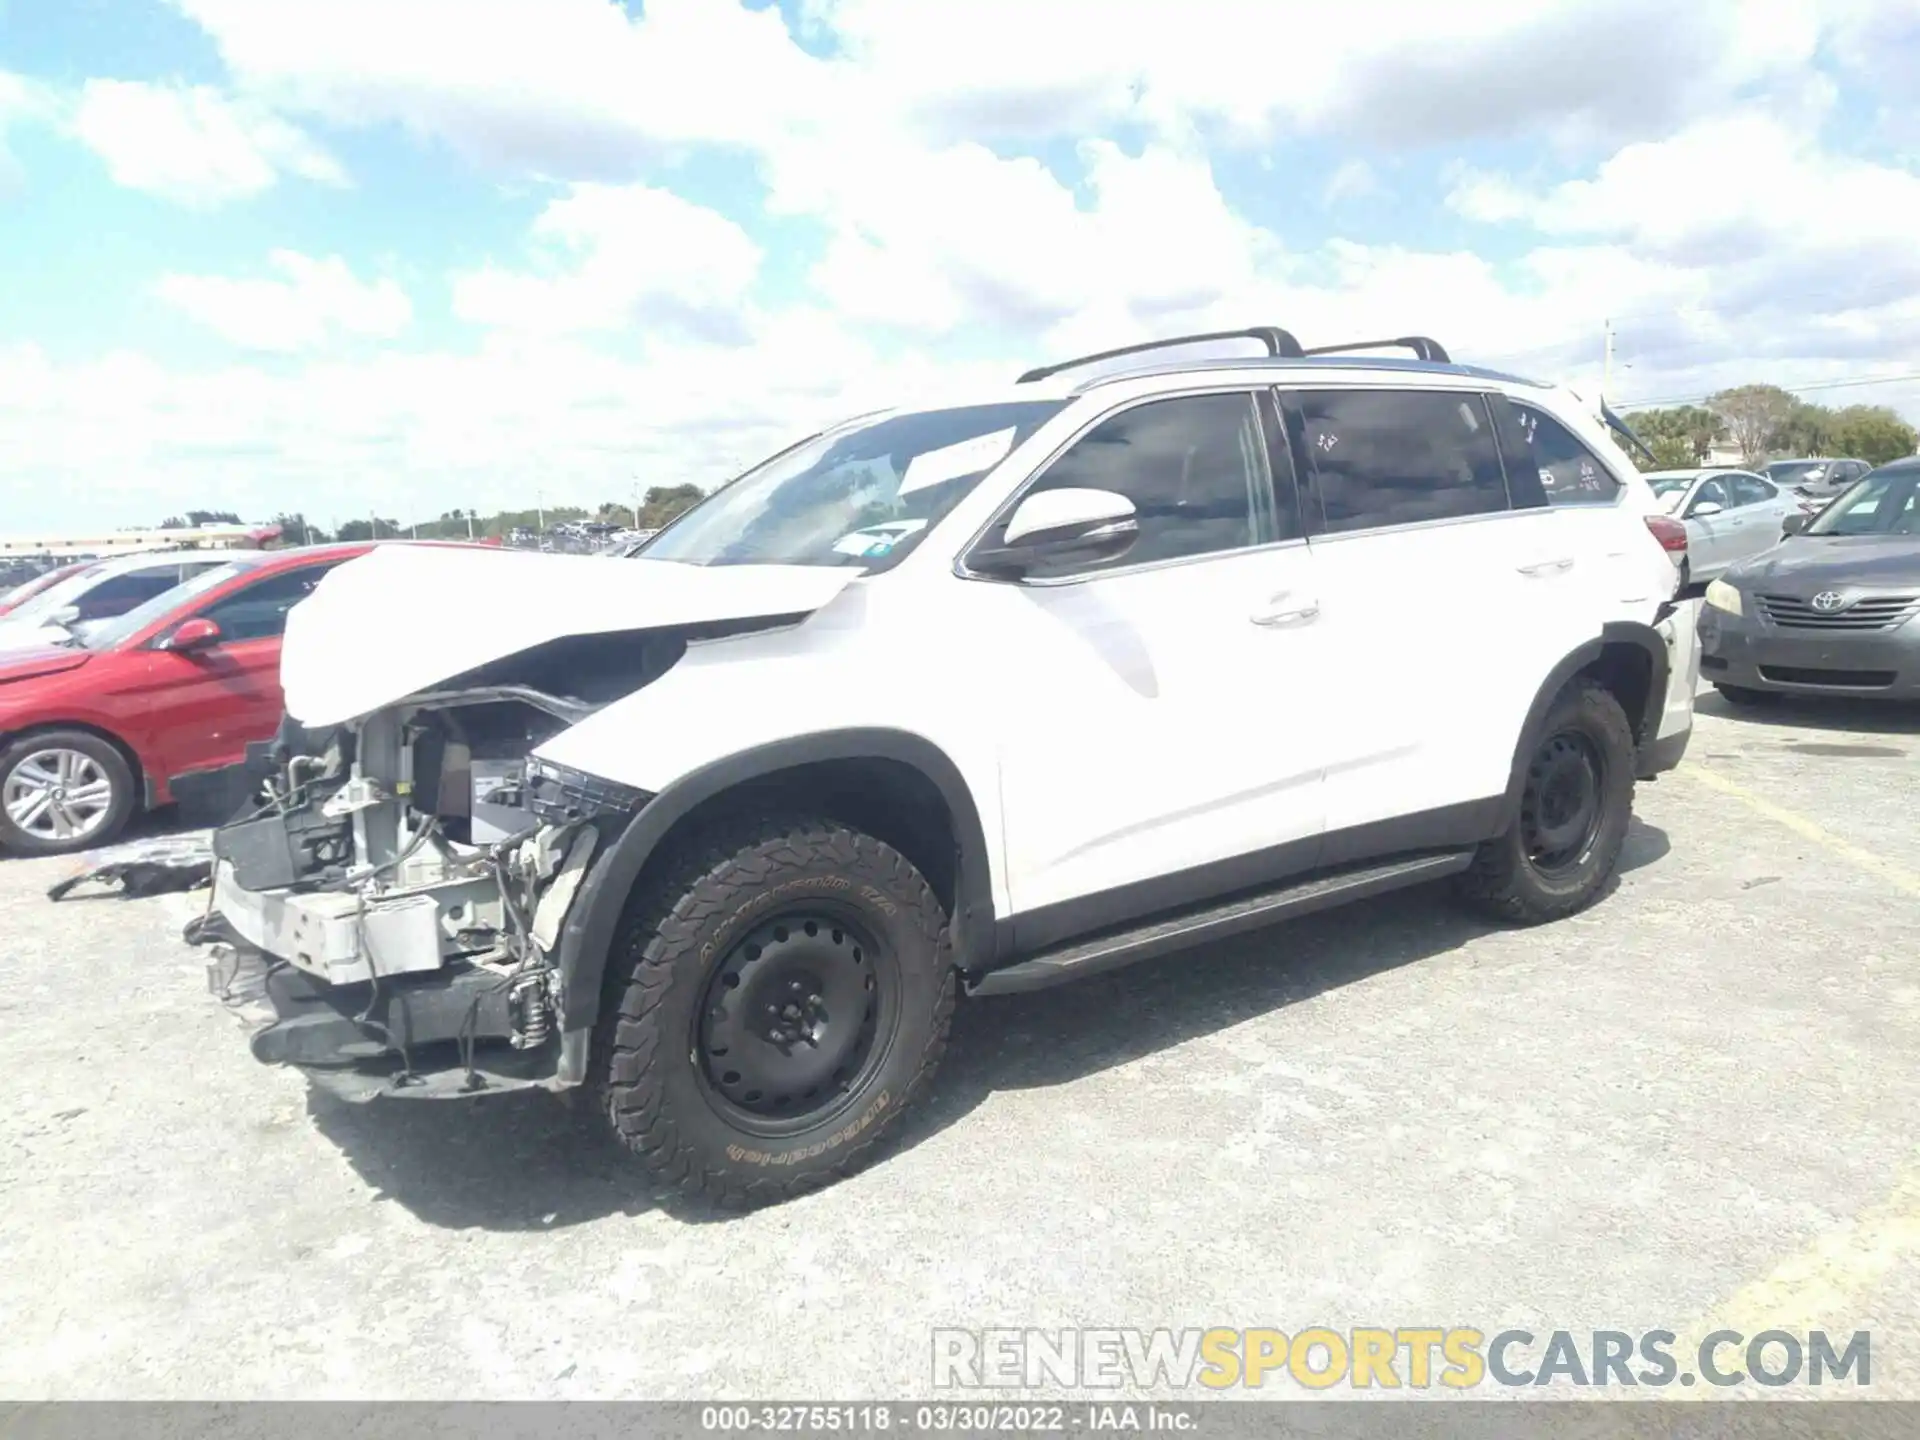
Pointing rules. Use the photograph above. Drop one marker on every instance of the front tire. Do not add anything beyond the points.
(774, 1005)
(1577, 798)
(63, 791)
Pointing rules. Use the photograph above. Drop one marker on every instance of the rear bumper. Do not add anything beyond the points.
(1757, 655)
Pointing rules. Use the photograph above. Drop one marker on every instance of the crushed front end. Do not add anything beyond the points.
(390, 911)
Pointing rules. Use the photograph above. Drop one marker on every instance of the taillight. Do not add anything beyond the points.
(1671, 534)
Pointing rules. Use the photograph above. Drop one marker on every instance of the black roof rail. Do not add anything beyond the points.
(1278, 342)
(1423, 348)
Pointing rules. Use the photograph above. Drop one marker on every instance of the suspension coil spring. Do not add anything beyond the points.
(535, 1016)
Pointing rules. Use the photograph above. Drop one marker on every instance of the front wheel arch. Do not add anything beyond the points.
(588, 934)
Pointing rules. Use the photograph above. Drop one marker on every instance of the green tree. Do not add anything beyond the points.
(296, 529)
(1679, 437)
(1872, 433)
(665, 502)
(1753, 415)
(355, 530)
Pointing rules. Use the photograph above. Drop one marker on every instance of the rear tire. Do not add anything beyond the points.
(774, 1004)
(1741, 695)
(1576, 800)
(63, 791)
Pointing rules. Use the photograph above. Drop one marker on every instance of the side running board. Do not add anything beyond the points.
(1116, 948)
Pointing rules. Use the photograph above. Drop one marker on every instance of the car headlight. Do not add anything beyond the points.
(1722, 596)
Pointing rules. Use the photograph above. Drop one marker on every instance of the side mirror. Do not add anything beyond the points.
(1704, 508)
(66, 615)
(1793, 525)
(1057, 527)
(190, 635)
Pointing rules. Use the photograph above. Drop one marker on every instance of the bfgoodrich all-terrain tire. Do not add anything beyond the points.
(774, 1004)
(1575, 803)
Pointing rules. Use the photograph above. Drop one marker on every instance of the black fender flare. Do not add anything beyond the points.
(588, 934)
(1646, 725)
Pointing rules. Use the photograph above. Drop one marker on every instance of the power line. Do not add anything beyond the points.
(1853, 384)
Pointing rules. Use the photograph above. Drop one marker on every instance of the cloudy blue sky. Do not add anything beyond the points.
(414, 254)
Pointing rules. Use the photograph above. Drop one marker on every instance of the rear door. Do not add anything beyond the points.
(1444, 601)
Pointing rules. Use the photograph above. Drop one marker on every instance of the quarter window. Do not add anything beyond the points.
(1398, 457)
(1570, 473)
(1195, 469)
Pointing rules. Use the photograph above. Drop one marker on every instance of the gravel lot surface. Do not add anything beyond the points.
(1693, 1104)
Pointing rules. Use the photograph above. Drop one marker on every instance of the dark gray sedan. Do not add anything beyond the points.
(1829, 611)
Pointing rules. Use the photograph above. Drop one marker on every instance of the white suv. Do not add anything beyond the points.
(941, 702)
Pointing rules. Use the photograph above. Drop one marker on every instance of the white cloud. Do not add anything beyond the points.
(313, 303)
(20, 99)
(1354, 180)
(193, 144)
(610, 257)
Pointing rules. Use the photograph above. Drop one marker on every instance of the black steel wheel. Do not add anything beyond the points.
(794, 1019)
(1561, 807)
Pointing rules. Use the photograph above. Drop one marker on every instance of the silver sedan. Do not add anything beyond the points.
(1729, 514)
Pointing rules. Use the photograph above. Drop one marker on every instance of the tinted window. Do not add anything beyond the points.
(1751, 490)
(1570, 473)
(1195, 469)
(1397, 457)
(1713, 491)
(121, 593)
(259, 612)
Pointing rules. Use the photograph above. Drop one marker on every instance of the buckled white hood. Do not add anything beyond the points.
(403, 618)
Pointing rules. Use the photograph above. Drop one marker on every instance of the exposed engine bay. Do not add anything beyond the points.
(410, 871)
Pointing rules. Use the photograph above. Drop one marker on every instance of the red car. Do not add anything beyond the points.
(94, 732)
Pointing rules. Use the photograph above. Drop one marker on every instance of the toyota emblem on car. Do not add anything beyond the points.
(1829, 600)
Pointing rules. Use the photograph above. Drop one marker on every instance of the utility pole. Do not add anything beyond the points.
(636, 502)
(1606, 363)
(469, 524)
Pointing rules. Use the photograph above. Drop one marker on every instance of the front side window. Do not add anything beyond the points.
(1193, 467)
(105, 634)
(1751, 490)
(1399, 457)
(863, 494)
(1570, 473)
(259, 611)
(1713, 491)
(1886, 502)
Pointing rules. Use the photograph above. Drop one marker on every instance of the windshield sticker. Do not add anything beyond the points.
(969, 457)
(877, 540)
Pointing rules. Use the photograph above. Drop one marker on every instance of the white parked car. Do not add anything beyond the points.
(100, 591)
(1730, 515)
(947, 702)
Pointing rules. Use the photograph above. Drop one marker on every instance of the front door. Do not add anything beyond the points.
(206, 706)
(1169, 733)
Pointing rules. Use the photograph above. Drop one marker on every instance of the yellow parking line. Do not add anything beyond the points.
(1898, 876)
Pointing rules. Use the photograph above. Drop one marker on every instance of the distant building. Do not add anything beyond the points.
(122, 542)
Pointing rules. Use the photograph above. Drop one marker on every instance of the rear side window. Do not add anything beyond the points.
(1569, 472)
(1398, 457)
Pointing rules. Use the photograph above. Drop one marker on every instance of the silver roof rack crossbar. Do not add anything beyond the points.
(1423, 348)
(1279, 343)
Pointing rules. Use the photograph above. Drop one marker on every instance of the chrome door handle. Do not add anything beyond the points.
(1548, 567)
(1289, 615)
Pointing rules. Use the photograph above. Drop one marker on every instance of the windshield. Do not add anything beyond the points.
(1878, 504)
(861, 495)
(1795, 472)
(57, 596)
(105, 634)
